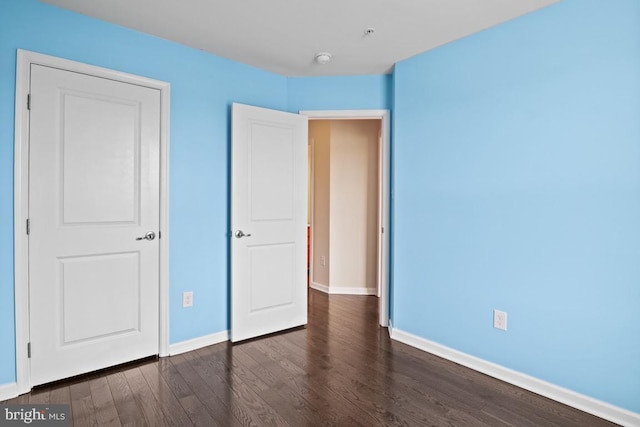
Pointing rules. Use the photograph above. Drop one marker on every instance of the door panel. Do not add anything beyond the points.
(269, 205)
(104, 288)
(271, 264)
(94, 189)
(99, 139)
(271, 169)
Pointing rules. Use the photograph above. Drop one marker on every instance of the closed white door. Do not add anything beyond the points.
(269, 221)
(94, 192)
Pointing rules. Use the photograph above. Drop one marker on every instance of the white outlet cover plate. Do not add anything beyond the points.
(500, 320)
(187, 299)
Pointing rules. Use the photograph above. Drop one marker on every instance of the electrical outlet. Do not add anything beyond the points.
(323, 261)
(500, 320)
(187, 299)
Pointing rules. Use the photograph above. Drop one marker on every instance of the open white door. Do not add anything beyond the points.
(268, 221)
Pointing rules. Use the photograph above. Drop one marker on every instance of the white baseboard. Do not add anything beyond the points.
(196, 343)
(568, 397)
(8, 391)
(319, 287)
(353, 291)
(343, 291)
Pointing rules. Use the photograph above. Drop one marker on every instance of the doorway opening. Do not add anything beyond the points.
(349, 203)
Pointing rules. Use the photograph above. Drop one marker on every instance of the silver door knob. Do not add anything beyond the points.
(149, 236)
(240, 234)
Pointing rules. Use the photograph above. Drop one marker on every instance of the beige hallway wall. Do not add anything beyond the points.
(319, 135)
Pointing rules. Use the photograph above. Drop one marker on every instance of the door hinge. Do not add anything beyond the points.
(159, 234)
(29, 350)
(28, 101)
(382, 230)
(28, 226)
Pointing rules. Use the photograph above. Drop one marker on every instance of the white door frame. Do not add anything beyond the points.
(21, 197)
(383, 255)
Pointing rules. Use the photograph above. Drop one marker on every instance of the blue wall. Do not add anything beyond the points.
(517, 187)
(202, 88)
(340, 93)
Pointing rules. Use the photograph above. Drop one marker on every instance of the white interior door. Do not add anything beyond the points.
(94, 191)
(268, 220)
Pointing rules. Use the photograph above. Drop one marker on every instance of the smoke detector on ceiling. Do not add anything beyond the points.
(323, 58)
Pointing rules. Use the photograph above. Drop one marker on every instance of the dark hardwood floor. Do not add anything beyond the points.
(341, 370)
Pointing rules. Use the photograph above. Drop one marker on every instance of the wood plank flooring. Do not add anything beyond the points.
(341, 370)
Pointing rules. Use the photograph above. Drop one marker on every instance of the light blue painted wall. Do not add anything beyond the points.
(517, 187)
(202, 88)
(371, 92)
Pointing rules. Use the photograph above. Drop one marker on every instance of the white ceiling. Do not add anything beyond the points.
(283, 36)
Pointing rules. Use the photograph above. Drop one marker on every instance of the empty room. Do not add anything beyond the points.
(187, 236)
